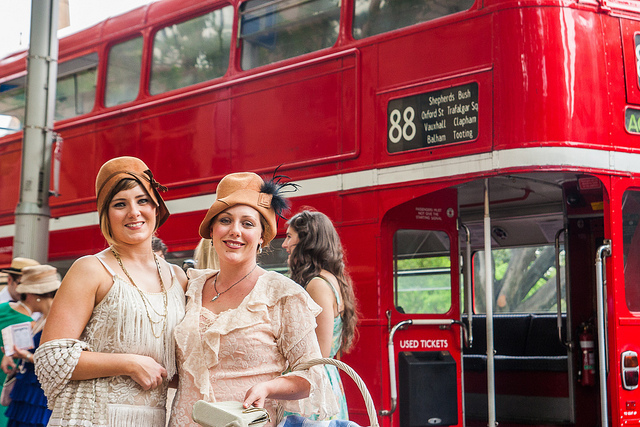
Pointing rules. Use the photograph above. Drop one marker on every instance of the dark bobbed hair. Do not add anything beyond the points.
(50, 294)
(157, 245)
(122, 185)
(319, 248)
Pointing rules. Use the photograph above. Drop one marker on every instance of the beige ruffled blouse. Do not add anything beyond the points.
(220, 356)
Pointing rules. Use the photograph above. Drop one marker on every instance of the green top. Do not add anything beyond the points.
(8, 316)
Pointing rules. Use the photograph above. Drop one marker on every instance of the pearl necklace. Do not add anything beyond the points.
(215, 282)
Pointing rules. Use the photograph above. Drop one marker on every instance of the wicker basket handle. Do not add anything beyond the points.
(368, 401)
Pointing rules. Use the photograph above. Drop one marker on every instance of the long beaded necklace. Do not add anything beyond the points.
(145, 300)
(215, 283)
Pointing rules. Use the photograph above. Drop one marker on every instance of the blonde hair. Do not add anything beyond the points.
(205, 255)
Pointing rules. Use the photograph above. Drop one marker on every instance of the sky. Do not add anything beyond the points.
(15, 21)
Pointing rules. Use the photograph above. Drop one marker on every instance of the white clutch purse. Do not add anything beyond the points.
(228, 414)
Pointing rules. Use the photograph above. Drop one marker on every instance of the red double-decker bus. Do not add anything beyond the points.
(481, 160)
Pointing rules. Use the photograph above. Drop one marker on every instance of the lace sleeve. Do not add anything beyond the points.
(298, 343)
(55, 362)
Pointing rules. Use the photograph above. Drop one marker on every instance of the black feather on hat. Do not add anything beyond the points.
(276, 188)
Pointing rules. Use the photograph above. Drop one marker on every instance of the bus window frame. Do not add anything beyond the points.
(436, 271)
(149, 60)
(240, 48)
(476, 5)
(21, 78)
(144, 70)
(482, 295)
(76, 70)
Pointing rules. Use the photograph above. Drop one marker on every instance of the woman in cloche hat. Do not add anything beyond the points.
(28, 403)
(244, 326)
(108, 350)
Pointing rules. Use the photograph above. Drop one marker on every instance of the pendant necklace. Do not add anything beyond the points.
(215, 282)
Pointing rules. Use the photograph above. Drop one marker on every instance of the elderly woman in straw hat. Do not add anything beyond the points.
(28, 403)
(245, 326)
(108, 350)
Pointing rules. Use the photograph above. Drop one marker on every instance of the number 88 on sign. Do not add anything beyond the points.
(440, 117)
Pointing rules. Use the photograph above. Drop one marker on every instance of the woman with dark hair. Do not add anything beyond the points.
(316, 261)
(108, 350)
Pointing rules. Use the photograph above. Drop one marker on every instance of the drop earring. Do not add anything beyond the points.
(259, 248)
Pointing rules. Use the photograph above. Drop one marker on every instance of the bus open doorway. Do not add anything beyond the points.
(545, 231)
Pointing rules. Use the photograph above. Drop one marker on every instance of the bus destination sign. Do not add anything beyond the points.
(441, 117)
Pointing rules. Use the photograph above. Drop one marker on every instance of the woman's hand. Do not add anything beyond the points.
(148, 373)
(256, 395)
(8, 365)
(288, 387)
(19, 353)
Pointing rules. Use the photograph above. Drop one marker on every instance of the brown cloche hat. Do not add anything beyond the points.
(242, 188)
(18, 263)
(115, 170)
(39, 279)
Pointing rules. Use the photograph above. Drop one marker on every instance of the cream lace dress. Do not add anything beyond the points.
(119, 324)
(220, 356)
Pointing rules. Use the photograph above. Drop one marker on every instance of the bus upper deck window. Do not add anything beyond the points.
(12, 102)
(76, 89)
(422, 272)
(375, 17)
(273, 30)
(191, 52)
(123, 72)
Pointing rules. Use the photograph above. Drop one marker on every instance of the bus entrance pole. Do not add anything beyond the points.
(32, 212)
(491, 389)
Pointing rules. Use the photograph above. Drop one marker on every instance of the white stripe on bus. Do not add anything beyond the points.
(605, 161)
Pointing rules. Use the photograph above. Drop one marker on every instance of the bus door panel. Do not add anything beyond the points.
(624, 370)
(586, 232)
(422, 302)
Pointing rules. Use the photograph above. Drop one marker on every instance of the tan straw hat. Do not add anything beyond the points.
(40, 279)
(242, 188)
(115, 170)
(18, 263)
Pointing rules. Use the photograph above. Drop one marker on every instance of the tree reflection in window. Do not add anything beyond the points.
(272, 31)
(191, 52)
(373, 17)
(524, 280)
(422, 272)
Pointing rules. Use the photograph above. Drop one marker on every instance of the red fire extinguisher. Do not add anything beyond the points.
(587, 374)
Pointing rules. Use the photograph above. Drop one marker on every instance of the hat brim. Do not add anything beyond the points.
(38, 288)
(240, 197)
(11, 271)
